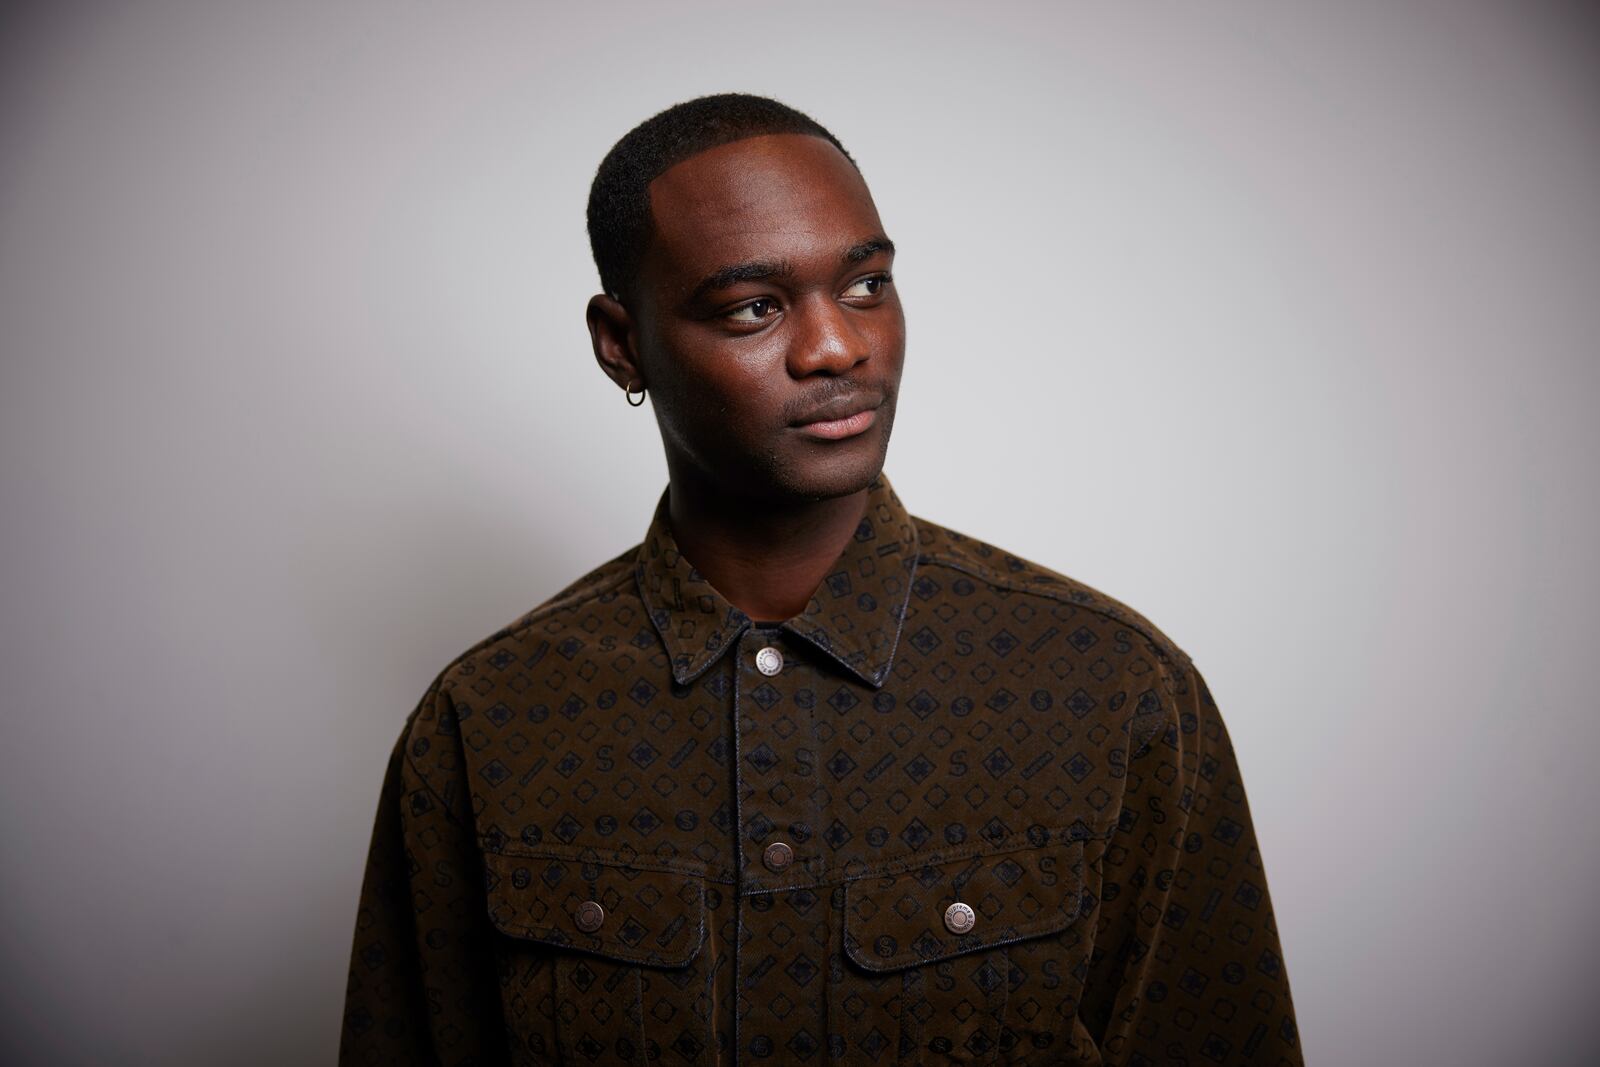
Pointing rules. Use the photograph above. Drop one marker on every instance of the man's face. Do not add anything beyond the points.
(766, 324)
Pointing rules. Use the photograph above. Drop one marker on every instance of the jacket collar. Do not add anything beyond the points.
(853, 618)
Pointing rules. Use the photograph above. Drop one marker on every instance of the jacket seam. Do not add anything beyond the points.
(542, 612)
(605, 944)
(444, 805)
(1174, 716)
(516, 627)
(604, 857)
(1144, 628)
(835, 876)
(839, 876)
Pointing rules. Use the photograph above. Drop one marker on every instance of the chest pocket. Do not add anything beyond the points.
(604, 959)
(975, 960)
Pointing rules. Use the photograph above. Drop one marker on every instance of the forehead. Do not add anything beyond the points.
(789, 196)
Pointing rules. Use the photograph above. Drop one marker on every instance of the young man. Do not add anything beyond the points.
(802, 778)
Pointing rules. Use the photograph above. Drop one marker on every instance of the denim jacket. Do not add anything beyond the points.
(961, 810)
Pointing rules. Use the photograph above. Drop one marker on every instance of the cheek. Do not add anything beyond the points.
(727, 391)
(890, 343)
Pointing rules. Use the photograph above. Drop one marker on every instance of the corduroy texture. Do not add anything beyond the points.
(949, 724)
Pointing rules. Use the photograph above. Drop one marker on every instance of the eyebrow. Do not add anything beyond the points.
(726, 277)
(869, 248)
(757, 270)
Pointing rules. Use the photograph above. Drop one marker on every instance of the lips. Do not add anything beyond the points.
(840, 417)
(839, 408)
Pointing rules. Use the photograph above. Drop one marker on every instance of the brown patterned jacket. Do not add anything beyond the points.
(962, 810)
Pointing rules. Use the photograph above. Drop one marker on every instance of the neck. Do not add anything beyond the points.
(765, 557)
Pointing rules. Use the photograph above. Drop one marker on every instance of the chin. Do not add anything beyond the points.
(821, 472)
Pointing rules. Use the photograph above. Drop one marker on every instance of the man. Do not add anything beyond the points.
(802, 778)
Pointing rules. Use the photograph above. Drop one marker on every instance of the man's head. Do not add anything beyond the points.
(747, 285)
(619, 198)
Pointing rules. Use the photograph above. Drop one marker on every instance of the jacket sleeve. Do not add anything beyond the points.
(422, 986)
(1187, 966)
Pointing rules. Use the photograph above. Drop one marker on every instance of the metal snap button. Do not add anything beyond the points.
(777, 856)
(589, 916)
(958, 918)
(769, 661)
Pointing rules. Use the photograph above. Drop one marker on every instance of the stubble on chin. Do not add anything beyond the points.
(795, 479)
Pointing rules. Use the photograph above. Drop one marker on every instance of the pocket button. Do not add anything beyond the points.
(777, 856)
(958, 918)
(590, 915)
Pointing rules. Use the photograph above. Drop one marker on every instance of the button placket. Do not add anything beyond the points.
(777, 763)
(781, 919)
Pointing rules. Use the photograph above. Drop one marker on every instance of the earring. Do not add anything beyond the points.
(628, 389)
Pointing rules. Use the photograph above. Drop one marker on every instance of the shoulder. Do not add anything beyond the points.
(512, 645)
(941, 548)
(1138, 668)
(561, 610)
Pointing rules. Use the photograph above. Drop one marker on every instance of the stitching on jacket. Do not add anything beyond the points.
(605, 857)
(416, 768)
(1144, 627)
(552, 935)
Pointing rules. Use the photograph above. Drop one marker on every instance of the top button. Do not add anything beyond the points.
(769, 661)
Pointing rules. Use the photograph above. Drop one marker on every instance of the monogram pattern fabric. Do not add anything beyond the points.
(961, 810)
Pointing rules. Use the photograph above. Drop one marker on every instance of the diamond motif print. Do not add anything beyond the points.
(952, 724)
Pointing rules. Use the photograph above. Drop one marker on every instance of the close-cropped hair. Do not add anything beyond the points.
(619, 198)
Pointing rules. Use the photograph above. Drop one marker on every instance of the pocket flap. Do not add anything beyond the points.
(651, 913)
(897, 920)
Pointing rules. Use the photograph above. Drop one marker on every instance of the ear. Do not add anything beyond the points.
(611, 333)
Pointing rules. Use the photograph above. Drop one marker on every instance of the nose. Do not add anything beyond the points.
(827, 341)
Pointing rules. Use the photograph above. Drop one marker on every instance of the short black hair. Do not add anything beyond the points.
(619, 198)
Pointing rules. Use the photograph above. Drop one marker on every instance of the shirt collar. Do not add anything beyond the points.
(853, 618)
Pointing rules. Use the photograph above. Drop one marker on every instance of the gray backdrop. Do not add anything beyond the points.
(1276, 320)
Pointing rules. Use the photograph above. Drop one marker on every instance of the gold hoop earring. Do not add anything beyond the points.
(628, 390)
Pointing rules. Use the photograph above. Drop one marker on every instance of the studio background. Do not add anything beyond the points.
(1276, 321)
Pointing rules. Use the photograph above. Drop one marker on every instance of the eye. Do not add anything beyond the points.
(755, 311)
(868, 287)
